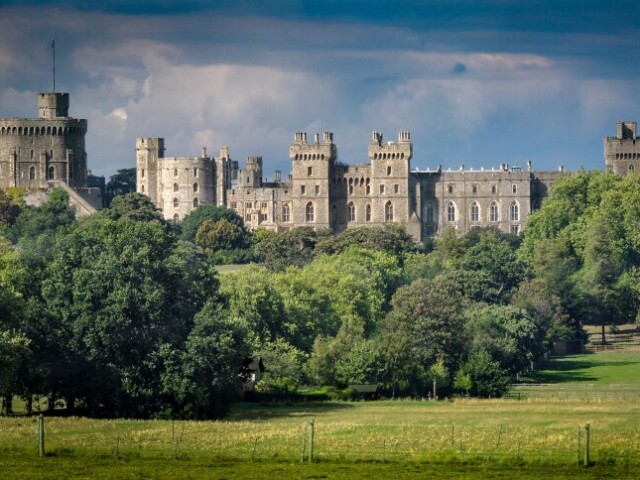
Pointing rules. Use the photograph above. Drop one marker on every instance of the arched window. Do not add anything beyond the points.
(351, 212)
(631, 168)
(51, 173)
(195, 187)
(175, 172)
(142, 189)
(142, 173)
(176, 218)
(493, 189)
(32, 173)
(514, 188)
(514, 212)
(475, 212)
(176, 187)
(388, 212)
(367, 216)
(430, 213)
(176, 203)
(494, 213)
(309, 212)
(286, 213)
(451, 212)
(195, 203)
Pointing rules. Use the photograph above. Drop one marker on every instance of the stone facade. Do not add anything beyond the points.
(45, 152)
(324, 193)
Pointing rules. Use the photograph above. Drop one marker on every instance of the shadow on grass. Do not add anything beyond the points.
(269, 411)
(570, 369)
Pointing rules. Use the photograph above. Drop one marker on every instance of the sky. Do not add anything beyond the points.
(477, 83)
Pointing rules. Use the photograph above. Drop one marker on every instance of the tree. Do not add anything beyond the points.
(284, 365)
(486, 377)
(293, 247)
(362, 364)
(132, 206)
(392, 239)
(214, 237)
(14, 352)
(192, 222)
(123, 182)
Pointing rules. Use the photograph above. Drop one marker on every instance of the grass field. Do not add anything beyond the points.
(534, 438)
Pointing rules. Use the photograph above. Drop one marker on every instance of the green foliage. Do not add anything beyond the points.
(132, 206)
(9, 210)
(392, 239)
(123, 182)
(488, 379)
(14, 352)
(293, 247)
(214, 213)
(362, 364)
(284, 365)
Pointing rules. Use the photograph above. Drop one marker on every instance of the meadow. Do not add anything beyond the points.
(461, 438)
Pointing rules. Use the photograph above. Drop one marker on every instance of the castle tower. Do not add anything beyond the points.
(40, 152)
(622, 152)
(390, 178)
(223, 176)
(312, 167)
(149, 154)
(251, 175)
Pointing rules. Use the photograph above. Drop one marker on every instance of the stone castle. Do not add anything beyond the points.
(37, 154)
(324, 193)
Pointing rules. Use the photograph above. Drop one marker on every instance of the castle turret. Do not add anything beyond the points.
(149, 152)
(312, 165)
(622, 152)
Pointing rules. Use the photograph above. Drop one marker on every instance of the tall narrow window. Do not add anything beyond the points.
(176, 187)
(493, 189)
(451, 212)
(51, 173)
(176, 203)
(474, 189)
(309, 212)
(450, 188)
(32, 173)
(309, 171)
(195, 187)
(381, 189)
(430, 213)
(388, 212)
(317, 189)
(514, 212)
(514, 188)
(475, 212)
(175, 172)
(367, 216)
(176, 218)
(388, 171)
(396, 188)
(286, 214)
(494, 213)
(196, 202)
(141, 188)
(302, 189)
(351, 212)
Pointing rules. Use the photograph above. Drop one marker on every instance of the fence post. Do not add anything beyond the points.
(313, 431)
(453, 436)
(579, 442)
(304, 442)
(253, 454)
(587, 444)
(41, 435)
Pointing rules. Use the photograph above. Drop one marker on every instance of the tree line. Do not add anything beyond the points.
(123, 313)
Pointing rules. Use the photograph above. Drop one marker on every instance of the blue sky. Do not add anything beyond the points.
(476, 83)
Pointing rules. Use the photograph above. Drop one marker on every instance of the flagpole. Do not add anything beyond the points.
(53, 46)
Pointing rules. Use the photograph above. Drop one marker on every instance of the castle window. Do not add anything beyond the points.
(195, 188)
(142, 173)
(175, 172)
(350, 189)
(263, 205)
(247, 217)
(302, 189)
(263, 217)
(176, 187)
(31, 153)
(381, 189)
(631, 167)
(493, 212)
(234, 205)
(195, 172)
(388, 171)
(514, 229)
(514, 188)
(248, 205)
(450, 188)
(309, 212)
(32, 173)
(351, 212)
(309, 171)
(388, 212)
(195, 203)
(285, 212)
(475, 212)
(493, 189)
(176, 203)
(368, 189)
(451, 212)
(396, 188)
(142, 189)
(474, 189)
(430, 213)
(51, 173)
(176, 218)
(367, 215)
(317, 189)
(514, 210)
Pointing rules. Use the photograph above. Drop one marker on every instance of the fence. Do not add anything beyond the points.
(311, 440)
(586, 392)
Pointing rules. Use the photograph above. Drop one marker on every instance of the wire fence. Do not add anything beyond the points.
(313, 440)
